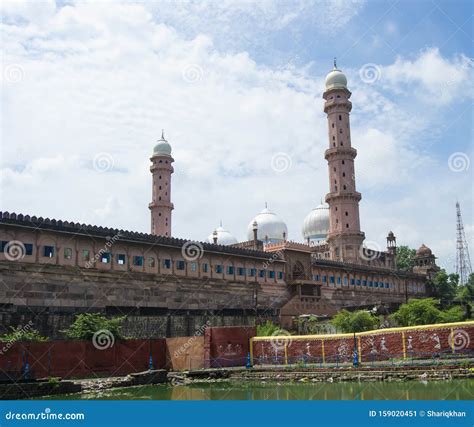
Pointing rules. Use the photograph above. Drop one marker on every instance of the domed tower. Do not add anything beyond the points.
(161, 205)
(316, 224)
(425, 262)
(270, 228)
(344, 237)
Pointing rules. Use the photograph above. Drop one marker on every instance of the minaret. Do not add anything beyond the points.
(161, 205)
(344, 237)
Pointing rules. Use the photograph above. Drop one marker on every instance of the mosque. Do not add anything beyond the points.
(54, 269)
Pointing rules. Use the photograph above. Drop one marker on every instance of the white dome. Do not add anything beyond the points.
(223, 237)
(316, 224)
(336, 79)
(270, 228)
(163, 148)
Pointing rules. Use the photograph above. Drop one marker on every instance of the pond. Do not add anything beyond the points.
(231, 390)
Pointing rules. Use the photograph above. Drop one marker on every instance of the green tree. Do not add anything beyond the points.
(405, 258)
(22, 333)
(453, 314)
(465, 296)
(356, 321)
(445, 287)
(424, 312)
(87, 324)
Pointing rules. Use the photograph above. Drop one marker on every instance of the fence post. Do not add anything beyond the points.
(286, 352)
(404, 345)
(322, 350)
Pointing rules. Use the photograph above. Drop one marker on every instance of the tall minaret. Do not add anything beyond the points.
(161, 205)
(344, 237)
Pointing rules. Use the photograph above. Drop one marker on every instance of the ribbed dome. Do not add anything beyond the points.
(316, 224)
(336, 79)
(223, 237)
(424, 251)
(163, 148)
(270, 228)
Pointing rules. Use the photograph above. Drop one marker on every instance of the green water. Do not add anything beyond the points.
(434, 390)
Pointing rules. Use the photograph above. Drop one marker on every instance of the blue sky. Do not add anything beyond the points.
(87, 89)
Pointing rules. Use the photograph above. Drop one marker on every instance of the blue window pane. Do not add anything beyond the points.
(345, 281)
(352, 281)
(28, 249)
(138, 260)
(358, 282)
(218, 268)
(230, 269)
(364, 283)
(280, 275)
(338, 280)
(48, 251)
(324, 279)
(371, 283)
(331, 279)
(205, 267)
(261, 273)
(271, 274)
(167, 263)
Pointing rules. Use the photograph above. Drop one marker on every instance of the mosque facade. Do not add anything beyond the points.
(53, 269)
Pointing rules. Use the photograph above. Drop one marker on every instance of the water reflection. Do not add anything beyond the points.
(436, 390)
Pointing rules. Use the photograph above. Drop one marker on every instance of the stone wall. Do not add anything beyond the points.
(383, 344)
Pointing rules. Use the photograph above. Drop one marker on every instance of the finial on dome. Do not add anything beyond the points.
(335, 66)
(220, 222)
(163, 135)
(266, 206)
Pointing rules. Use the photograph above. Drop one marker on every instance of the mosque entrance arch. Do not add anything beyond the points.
(298, 271)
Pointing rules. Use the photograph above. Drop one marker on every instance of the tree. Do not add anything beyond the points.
(465, 296)
(405, 258)
(22, 334)
(424, 312)
(356, 321)
(87, 324)
(445, 287)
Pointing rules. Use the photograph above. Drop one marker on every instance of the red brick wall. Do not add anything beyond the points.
(227, 346)
(81, 359)
(379, 345)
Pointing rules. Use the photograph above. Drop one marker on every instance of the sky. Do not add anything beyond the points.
(237, 86)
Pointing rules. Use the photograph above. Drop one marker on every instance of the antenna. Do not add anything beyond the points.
(463, 261)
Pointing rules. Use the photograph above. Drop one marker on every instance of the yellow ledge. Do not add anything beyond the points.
(361, 334)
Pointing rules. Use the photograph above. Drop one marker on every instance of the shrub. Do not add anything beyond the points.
(87, 324)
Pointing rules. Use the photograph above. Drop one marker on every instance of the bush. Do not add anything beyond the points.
(267, 329)
(22, 333)
(424, 312)
(87, 324)
(357, 321)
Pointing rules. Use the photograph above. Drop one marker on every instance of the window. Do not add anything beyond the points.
(376, 284)
(345, 281)
(338, 280)
(28, 249)
(387, 285)
(344, 186)
(230, 269)
(331, 279)
(317, 277)
(252, 272)
(241, 271)
(205, 268)
(347, 213)
(271, 274)
(138, 260)
(364, 283)
(280, 275)
(358, 282)
(352, 281)
(48, 251)
(218, 268)
(151, 262)
(324, 279)
(340, 117)
(67, 253)
(105, 258)
(333, 125)
(261, 273)
(371, 284)
(167, 263)
(347, 225)
(343, 162)
(121, 259)
(3, 243)
(193, 267)
(343, 174)
(180, 265)
(86, 255)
